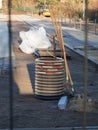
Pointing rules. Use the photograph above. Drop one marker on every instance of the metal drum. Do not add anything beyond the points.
(49, 77)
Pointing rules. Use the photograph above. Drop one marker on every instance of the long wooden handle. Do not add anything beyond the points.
(65, 59)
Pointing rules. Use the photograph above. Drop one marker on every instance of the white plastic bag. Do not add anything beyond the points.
(34, 39)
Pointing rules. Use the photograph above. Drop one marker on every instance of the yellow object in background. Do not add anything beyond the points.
(46, 13)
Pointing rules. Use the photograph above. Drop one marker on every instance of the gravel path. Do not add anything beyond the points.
(29, 111)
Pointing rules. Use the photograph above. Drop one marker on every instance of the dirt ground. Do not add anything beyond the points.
(29, 111)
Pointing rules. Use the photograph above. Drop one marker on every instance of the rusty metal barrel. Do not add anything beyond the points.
(49, 77)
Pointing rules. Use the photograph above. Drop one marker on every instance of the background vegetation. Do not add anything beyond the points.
(70, 8)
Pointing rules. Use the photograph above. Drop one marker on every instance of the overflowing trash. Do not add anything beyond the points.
(33, 39)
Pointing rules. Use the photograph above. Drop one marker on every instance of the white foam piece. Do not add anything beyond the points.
(62, 103)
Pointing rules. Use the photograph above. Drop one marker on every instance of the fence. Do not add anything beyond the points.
(92, 25)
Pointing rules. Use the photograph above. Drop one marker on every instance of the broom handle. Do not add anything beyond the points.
(65, 60)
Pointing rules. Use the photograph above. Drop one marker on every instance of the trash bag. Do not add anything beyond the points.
(34, 39)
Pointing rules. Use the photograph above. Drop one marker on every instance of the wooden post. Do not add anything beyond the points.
(95, 26)
(54, 45)
(74, 22)
(80, 25)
